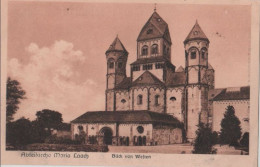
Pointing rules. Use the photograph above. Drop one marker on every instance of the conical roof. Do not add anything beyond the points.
(116, 46)
(196, 33)
(155, 27)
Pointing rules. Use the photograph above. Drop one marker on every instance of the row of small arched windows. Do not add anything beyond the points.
(193, 54)
(156, 99)
(154, 49)
(111, 63)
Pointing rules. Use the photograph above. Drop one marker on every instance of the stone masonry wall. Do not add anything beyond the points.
(162, 136)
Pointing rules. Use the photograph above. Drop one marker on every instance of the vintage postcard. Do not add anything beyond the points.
(112, 83)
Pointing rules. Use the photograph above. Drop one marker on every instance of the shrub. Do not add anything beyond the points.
(203, 143)
(61, 140)
(230, 131)
(215, 138)
(19, 132)
(245, 140)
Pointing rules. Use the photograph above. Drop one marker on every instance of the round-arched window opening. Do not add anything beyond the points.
(120, 64)
(123, 100)
(140, 129)
(80, 127)
(173, 98)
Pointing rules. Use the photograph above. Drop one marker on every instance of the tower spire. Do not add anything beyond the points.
(154, 7)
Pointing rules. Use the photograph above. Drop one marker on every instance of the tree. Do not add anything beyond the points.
(18, 133)
(14, 93)
(204, 140)
(230, 131)
(245, 140)
(39, 133)
(49, 119)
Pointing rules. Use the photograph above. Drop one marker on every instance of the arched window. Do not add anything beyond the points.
(111, 63)
(203, 54)
(80, 128)
(140, 99)
(193, 55)
(120, 63)
(154, 49)
(156, 100)
(144, 50)
(164, 49)
(144, 140)
(173, 98)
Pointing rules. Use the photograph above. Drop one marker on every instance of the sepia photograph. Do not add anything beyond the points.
(128, 80)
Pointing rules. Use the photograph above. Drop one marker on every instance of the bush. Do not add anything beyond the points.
(61, 140)
(215, 138)
(19, 132)
(203, 143)
(245, 140)
(64, 147)
(230, 132)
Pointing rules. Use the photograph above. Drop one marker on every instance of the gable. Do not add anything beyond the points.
(147, 78)
(149, 32)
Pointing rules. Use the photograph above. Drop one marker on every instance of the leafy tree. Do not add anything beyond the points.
(14, 93)
(39, 133)
(230, 131)
(204, 140)
(49, 119)
(18, 133)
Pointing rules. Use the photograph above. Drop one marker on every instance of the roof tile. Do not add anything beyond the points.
(140, 116)
(116, 46)
(147, 78)
(242, 94)
(196, 33)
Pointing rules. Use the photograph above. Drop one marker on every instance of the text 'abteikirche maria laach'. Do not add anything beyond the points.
(159, 104)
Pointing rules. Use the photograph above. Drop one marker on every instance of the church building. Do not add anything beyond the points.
(158, 103)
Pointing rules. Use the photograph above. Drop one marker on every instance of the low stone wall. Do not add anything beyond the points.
(166, 136)
(63, 147)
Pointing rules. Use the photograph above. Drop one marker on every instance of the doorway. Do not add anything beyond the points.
(107, 134)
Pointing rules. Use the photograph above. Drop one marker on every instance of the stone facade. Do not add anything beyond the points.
(128, 134)
(186, 94)
(242, 108)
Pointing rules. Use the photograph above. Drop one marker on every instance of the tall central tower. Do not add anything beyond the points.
(196, 66)
(153, 49)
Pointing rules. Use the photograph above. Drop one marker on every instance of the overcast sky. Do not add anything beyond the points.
(57, 50)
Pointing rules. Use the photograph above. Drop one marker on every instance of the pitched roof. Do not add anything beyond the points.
(116, 46)
(214, 92)
(147, 78)
(155, 27)
(180, 69)
(238, 93)
(210, 67)
(176, 79)
(137, 116)
(125, 84)
(196, 33)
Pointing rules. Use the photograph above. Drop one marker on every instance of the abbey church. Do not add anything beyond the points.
(159, 103)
